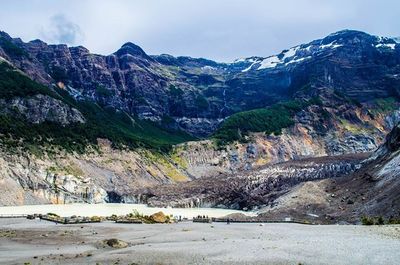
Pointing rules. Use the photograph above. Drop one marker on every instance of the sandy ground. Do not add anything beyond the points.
(39, 242)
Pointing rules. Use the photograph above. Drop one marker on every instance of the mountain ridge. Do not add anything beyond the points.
(340, 100)
(206, 74)
(196, 95)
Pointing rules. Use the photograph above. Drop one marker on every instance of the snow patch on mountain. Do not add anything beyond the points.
(295, 54)
(331, 45)
(269, 62)
(76, 94)
(386, 45)
(208, 68)
(301, 53)
(241, 60)
(298, 60)
(248, 68)
(291, 52)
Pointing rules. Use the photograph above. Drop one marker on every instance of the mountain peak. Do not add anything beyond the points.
(5, 35)
(131, 49)
(131, 45)
(347, 34)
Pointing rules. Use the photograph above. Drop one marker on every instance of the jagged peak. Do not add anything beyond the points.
(131, 45)
(132, 49)
(4, 34)
(80, 50)
(37, 41)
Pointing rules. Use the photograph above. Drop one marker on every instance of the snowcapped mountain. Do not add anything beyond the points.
(304, 52)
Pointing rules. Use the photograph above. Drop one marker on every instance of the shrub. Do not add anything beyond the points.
(95, 219)
(53, 214)
(386, 104)
(394, 221)
(380, 221)
(367, 221)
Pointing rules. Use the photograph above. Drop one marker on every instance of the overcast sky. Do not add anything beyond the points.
(222, 30)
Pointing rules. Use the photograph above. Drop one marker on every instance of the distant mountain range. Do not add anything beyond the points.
(195, 95)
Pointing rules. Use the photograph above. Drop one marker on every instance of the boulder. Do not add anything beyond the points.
(159, 217)
(115, 243)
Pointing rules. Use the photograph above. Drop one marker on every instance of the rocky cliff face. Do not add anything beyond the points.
(41, 108)
(378, 181)
(99, 176)
(128, 80)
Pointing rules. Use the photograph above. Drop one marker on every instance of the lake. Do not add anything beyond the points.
(108, 209)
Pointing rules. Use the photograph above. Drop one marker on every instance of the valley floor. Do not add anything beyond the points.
(39, 242)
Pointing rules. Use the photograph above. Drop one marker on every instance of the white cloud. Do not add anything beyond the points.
(62, 30)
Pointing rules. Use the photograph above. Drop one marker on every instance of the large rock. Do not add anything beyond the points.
(159, 217)
(115, 243)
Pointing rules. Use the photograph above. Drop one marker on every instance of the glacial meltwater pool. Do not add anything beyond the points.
(108, 209)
